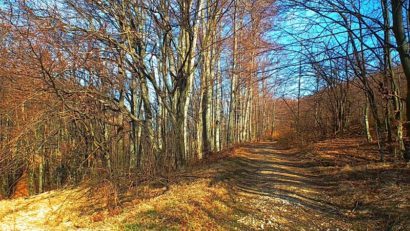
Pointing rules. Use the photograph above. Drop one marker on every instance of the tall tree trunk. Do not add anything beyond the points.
(396, 118)
(403, 49)
(188, 48)
(148, 122)
(134, 126)
(41, 174)
(218, 108)
(366, 122)
(234, 82)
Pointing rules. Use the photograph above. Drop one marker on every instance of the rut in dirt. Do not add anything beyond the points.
(265, 169)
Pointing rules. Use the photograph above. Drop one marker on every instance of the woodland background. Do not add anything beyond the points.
(132, 89)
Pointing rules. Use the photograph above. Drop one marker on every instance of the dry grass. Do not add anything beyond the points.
(184, 207)
(190, 204)
(55, 210)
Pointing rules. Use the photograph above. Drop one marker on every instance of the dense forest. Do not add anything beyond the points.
(114, 88)
(109, 90)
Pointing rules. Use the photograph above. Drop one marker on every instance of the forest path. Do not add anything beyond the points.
(280, 189)
(261, 186)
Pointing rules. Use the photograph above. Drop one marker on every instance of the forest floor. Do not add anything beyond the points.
(331, 185)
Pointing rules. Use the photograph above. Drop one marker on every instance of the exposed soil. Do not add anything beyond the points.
(333, 185)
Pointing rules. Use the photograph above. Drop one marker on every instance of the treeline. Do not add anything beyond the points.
(352, 57)
(338, 110)
(108, 89)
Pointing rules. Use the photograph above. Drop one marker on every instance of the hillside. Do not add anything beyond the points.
(332, 184)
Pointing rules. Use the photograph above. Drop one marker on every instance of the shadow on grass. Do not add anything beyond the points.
(214, 218)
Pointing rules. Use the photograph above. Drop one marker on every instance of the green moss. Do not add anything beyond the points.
(151, 213)
(133, 227)
(149, 226)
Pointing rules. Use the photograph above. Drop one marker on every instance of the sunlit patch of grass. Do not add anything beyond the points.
(193, 206)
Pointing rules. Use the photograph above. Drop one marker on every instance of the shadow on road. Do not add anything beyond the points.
(263, 170)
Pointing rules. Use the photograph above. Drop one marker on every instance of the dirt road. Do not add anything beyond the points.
(284, 190)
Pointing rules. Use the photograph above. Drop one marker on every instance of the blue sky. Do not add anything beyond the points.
(297, 32)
